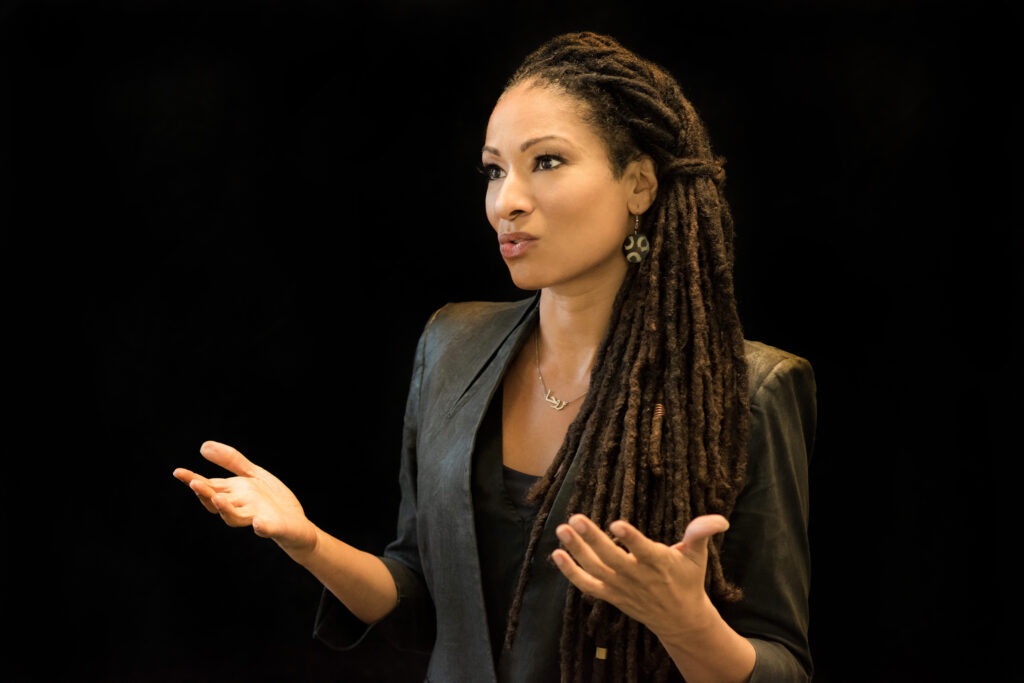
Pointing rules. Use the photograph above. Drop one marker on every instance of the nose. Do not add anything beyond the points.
(512, 197)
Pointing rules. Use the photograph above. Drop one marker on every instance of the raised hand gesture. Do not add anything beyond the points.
(254, 497)
(660, 586)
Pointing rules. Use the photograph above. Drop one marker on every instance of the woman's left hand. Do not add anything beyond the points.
(660, 586)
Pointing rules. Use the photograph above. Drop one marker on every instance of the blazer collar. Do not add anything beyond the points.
(488, 352)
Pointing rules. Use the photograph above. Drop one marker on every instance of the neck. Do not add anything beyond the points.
(572, 325)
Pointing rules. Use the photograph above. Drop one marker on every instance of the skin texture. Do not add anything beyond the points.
(560, 190)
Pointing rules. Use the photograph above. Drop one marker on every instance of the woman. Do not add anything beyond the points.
(623, 393)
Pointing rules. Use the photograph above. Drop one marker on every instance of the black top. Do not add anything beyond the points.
(503, 520)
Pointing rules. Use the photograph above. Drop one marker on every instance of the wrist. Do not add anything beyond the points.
(706, 648)
(697, 621)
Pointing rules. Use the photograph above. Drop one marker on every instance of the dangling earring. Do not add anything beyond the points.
(636, 245)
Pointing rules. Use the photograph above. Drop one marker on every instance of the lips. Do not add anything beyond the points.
(515, 244)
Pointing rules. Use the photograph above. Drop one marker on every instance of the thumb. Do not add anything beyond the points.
(228, 458)
(698, 532)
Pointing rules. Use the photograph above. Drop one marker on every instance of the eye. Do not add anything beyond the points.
(490, 171)
(547, 162)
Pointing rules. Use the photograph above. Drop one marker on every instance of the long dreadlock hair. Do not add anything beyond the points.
(662, 434)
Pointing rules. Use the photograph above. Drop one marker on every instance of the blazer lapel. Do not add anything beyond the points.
(476, 371)
(484, 357)
(476, 355)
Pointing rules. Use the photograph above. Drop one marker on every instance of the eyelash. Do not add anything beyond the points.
(487, 169)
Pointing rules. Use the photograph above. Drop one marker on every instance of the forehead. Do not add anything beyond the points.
(527, 111)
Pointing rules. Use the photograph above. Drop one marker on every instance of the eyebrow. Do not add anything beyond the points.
(523, 147)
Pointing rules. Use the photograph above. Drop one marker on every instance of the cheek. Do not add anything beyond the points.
(593, 206)
(492, 215)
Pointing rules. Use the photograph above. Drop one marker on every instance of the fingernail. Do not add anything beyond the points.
(563, 533)
(578, 524)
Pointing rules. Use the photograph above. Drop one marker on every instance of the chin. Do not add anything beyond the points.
(526, 284)
(527, 278)
(568, 275)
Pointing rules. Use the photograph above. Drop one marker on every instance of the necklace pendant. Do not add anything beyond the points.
(555, 403)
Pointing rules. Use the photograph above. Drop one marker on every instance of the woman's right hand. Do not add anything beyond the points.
(254, 497)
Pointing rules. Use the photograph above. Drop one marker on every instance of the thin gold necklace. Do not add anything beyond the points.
(553, 401)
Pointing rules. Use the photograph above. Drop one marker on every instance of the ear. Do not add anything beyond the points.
(641, 184)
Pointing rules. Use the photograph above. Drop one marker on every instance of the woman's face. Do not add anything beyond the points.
(560, 215)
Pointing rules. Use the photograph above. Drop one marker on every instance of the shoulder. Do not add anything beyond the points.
(469, 316)
(769, 366)
(460, 332)
(783, 398)
(474, 321)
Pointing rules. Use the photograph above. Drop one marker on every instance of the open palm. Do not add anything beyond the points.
(254, 497)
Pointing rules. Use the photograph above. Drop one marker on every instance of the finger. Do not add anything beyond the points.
(208, 504)
(604, 547)
(203, 488)
(229, 512)
(204, 493)
(181, 474)
(577, 576)
(698, 532)
(583, 553)
(215, 485)
(188, 476)
(228, 458)
(642, 548)
(199, 486)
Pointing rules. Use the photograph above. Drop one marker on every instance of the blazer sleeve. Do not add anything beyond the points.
(411, 625)
(765, 550)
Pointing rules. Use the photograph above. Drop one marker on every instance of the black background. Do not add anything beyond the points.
(230, 220)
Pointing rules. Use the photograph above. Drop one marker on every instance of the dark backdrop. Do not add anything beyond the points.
(230, 221)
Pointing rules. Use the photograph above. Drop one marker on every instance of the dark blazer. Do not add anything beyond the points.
(461, 358)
